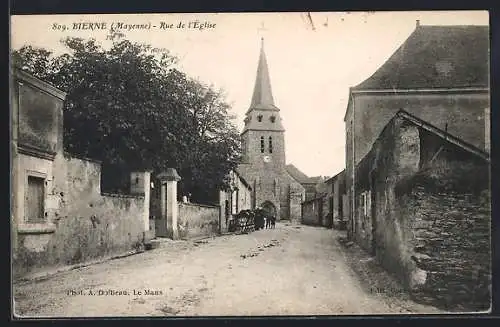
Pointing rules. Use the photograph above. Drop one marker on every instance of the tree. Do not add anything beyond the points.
(131, 109)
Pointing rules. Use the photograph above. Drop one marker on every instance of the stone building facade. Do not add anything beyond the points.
(423, 210)
(315, 211)
(59, 214)
(317, 208)
(433, 76)
(336, 186)
(237, 198)
(264, 160)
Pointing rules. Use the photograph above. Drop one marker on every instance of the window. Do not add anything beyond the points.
(234, 202)
(366, 203)
(35, 198)
(227, 207)
(262, 144)
(272, 119)
(244, 147)
(270, 144)
(259, 118)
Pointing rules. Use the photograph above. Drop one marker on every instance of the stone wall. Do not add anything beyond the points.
(296, 196)
(86, 224)
(198, 221)
(325, 219)
(451, 244)
(59, 215)
(311, 212)
(339, 202)
(462, 114)
(427, 217)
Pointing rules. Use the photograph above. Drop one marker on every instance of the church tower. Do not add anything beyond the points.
(263, 143)
(263, 137)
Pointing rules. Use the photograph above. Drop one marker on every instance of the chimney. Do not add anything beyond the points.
(418, 23)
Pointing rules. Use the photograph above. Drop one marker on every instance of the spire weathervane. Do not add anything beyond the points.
(262, 29)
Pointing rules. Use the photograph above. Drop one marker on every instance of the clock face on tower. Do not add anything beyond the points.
(267, 158)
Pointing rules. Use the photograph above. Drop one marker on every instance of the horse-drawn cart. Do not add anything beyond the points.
(243, 222)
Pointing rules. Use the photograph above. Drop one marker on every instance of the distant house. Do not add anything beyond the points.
(313, 210)
(324, 206)
(336, 199)
(310, 184)
(440, 74)
(423, 209)
(237, 198)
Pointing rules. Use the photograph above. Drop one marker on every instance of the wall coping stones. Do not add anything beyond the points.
(42, 228)
(128, 196)
(190, 204)
(68, 155)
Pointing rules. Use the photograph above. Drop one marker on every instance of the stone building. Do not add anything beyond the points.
(264, 161)
(423, 210)
(317, 208)
(336, 199)
(435, 76)
(314, 211)
(310, 184)
(59, 214)
(237, 198)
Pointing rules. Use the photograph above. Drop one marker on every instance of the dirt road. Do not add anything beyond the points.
(291, 270)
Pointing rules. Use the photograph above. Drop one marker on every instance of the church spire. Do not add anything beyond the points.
(262, 94)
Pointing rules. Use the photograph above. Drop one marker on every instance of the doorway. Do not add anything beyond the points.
(269, 208)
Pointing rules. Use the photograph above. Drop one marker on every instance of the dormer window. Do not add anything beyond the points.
(259, 118)
(272, 119)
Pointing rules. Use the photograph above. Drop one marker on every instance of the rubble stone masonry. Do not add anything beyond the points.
(451, 244)
(423, 210)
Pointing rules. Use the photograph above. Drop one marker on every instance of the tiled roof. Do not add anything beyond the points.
(314, 179)
(297, 174)
(436, 57)
(336, 176)
(302, 178)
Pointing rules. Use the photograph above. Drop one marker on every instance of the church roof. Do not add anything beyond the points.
(297, 174)
(436, 57)
(262, 97)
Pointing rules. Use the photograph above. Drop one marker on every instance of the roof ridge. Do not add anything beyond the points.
(424, 47)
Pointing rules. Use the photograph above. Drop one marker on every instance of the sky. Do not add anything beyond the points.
(312, 62)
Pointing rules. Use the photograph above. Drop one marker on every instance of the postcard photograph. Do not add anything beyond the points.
(250, 164)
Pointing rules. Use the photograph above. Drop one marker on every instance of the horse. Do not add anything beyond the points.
(259, 215)
(272, 222)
